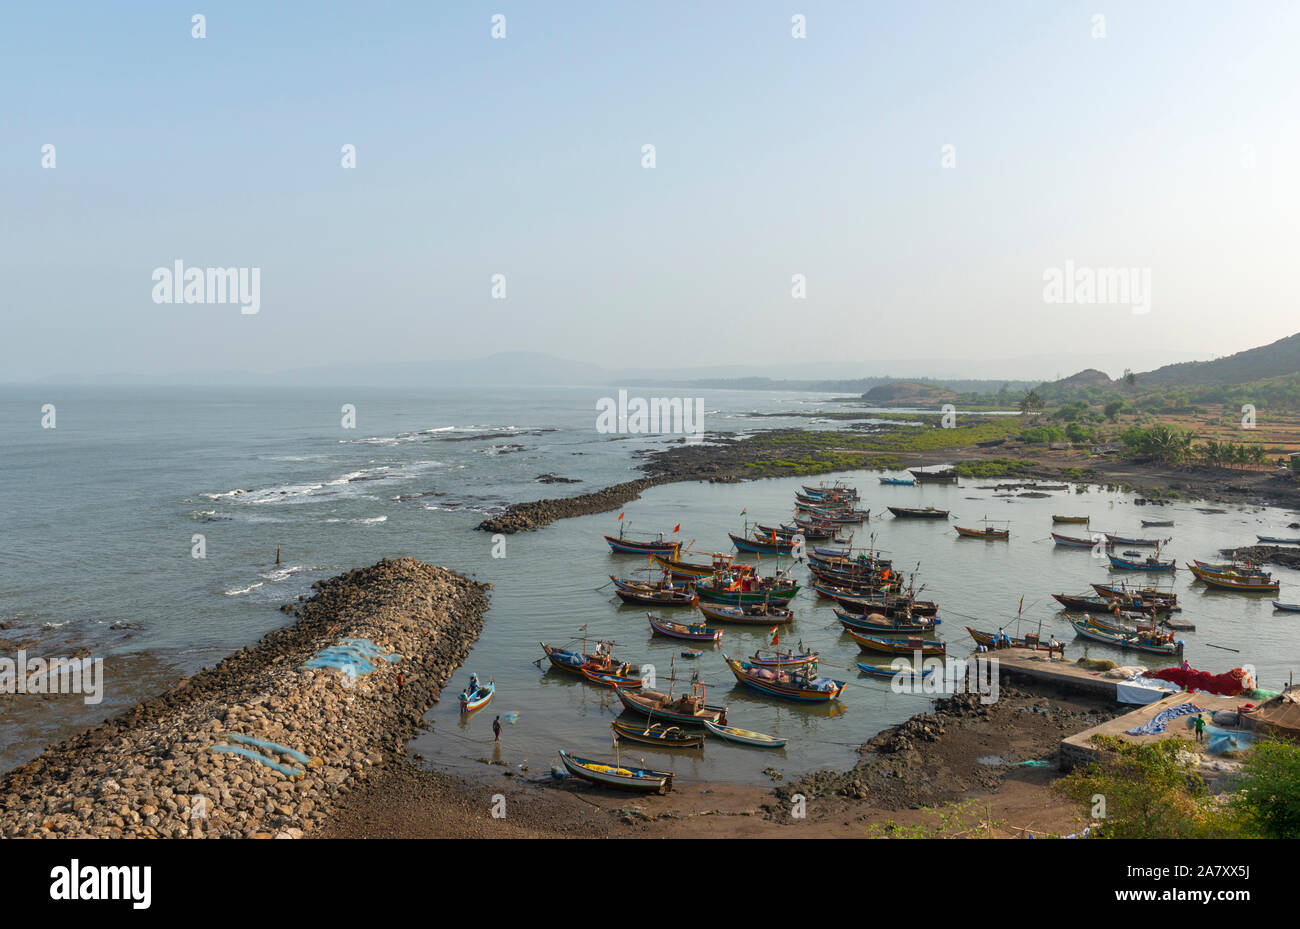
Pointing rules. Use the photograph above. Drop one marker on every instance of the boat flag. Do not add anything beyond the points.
(776, 635)
(678, 526)
(744, 511)
(1022, 605)
(620, 515)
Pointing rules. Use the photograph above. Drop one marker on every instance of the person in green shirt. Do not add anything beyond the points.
(1199, 723)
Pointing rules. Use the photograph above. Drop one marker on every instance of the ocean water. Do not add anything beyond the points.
(99, 517)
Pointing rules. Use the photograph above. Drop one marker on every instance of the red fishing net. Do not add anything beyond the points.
(1231, 684)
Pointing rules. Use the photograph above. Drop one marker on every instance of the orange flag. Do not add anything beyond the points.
(678, 526)
(620, 515)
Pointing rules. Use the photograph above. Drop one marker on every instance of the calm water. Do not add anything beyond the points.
(99, 516)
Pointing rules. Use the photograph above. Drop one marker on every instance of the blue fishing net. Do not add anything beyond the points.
(353, 657)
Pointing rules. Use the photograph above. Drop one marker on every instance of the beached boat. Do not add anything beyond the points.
(478, 697)
(1067, 541)
(987, 533)
(688, 708)
(898, 481)
(696, 632)
(745, 736)
(874, 623)
(747, 590)
(624, 778)
(909, 512)
(623, 546)
(769, 546)
(651, 733)
(908, 646)
(1244, 583)
(1081, 520)
(1137, 642)
(757, 614)
(884, 670)
(792, 685)
(1146, 564)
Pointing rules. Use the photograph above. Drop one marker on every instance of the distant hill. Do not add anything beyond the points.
(1275, 360)
(908, 393)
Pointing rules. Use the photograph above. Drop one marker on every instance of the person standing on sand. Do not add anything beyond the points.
(399, 683)
(496, 729)
(1199, 723)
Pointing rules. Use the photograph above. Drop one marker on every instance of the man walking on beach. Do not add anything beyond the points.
(496, 729)
(1199, 723)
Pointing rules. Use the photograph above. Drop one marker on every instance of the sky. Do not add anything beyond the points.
(924, 166)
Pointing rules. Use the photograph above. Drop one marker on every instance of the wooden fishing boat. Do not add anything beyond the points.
(660, 598)
(838, 488)
(1089, 604)
(1148, 596)
(690, 709)
(623, 546)
(758, 614)
(1124, 540)
(939, 476)
(762, 546)
(1287, 607)
(1128, 623)
(1066, 541)
(1231, 567)
(898, 481)
(747, 590)
(996, 640)
(576, 662)
(908, 512)
(1146, 564)
(1154, 523)
(908, 646)
(810, 534)
(1275, 540)
(987, 533)
(884, 670)
(775, 659)
(1245, 583)
(745, 736)
(479, 697)
(623, 778)
(879, 623)
(691, 633)
(793, 685)
(658, 734)
(1125, 640)
(610, 678)
(1080, 520)
(892, 606)
(682, 570)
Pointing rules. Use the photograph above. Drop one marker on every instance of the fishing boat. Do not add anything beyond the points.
(1275, 540)
(838, 488)
(884, 670)
(746, 590)
(775, 659)
(988, 533)
(1081, 520)
(908, 646)
(898, 481)
(622, 546)
(1287, 607)
(1124, 540)
(758, 614)
(908, 512)
(1136, 642)
(1246, 583)
(663, 597)
(1154, 523)
(610, 678)
(1068, 541)
(879, 623)
(745, 736)
(691, 633)
(651, 733)
(810, 533)
(793, 685)
(1086, 604)
(624, 778)
(1231, 567)
(1149, 597)
(684, 570)
(769, 546)
(1150, 563)
(938, 476)
(576, 662)
(999, 639)
(690, 709)
(479, 696)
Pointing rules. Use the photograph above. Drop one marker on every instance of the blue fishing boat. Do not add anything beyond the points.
(1146, 564)
(898, 482)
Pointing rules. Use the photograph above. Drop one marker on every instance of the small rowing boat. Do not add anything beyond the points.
(898, 482)
(1275, 540)
(1069, 541)
(745, 736)
(1153, 523)
(987, 533)
(477, 696)
(599, 772)
(1081, 520)
(1287, 607)
(695, 632)
(884, 670)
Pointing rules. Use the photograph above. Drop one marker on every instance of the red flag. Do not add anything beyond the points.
(776, 635)
(678, 526)
(620, 515)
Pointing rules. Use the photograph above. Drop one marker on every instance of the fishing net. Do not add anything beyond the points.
(1231, 684)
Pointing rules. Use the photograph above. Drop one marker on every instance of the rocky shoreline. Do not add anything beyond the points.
(151, 771)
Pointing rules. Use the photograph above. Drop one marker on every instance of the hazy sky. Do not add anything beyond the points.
(1170, 144)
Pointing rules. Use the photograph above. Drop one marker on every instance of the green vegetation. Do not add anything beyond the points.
(1153, 791)
(1173, 446)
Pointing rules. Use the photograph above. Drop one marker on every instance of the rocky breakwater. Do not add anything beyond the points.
(522, 517)
(152, 771)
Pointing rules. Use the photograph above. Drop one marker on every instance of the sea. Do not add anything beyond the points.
(141, 525)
